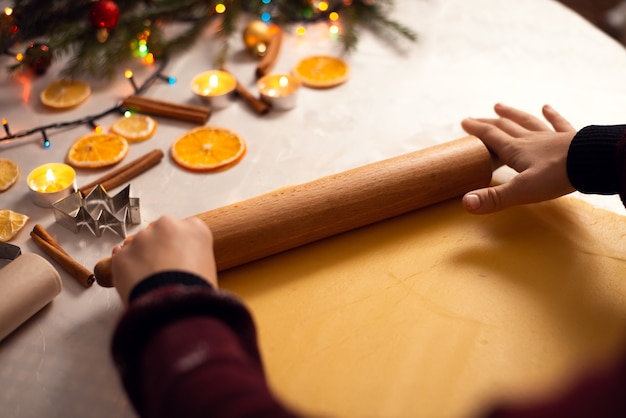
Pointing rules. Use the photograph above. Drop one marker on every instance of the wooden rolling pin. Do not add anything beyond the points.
(293, 216)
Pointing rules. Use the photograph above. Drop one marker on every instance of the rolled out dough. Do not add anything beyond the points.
(439, 313)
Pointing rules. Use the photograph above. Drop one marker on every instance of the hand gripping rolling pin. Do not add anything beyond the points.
(293, 216)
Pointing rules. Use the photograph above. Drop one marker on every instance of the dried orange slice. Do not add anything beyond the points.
(97, 150)
(207, 149)
(322, 71)
(135, 128)
(65, 94)
(11, 223)
(9, 173)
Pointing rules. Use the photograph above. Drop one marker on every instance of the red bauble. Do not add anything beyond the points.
(104, 14)
(38, 57)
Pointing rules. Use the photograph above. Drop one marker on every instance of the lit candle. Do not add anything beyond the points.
(216, 87)
(51, 182)
(279, 90)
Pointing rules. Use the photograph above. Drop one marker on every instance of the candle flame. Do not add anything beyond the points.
(283, 81)
(213, 81)
(50, 176)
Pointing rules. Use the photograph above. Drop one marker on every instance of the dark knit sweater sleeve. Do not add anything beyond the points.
(596, 161)
(184, 349)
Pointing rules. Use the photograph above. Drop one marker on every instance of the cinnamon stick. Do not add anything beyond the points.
(58, 254)
(43, 234)
(188, 113)
(256, 104)
(271, 55)
(123, 174)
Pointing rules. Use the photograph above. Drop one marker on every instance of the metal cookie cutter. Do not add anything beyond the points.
(98, 211)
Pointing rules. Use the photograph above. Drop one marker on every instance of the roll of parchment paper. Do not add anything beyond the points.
(27, 284)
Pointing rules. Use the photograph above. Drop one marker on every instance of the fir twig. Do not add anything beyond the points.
(65, 26)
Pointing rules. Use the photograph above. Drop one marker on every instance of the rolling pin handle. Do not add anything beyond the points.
(103, 273)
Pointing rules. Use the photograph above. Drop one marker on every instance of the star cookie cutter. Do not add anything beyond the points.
(98, 211)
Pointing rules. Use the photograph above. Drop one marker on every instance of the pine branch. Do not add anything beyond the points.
(66, 27)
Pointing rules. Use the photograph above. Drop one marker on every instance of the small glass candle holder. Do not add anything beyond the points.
(51, 182)
(279, 90)
(215, 87)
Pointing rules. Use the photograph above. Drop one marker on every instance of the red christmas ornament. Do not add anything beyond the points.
(38, 57)
(104, 14)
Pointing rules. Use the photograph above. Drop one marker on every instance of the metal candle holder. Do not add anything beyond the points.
(98, 211)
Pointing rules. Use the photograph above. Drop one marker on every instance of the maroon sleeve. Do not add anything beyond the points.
(601, 393)
(191, 351)
(596, 161)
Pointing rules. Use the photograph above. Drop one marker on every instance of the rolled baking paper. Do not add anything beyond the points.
(27, 284)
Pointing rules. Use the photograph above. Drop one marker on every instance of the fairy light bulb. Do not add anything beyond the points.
(333, 16)
(46, 142)
(301, 31)
(148, 59)
(5, 125)
(220, 8)
(8, 11)
(129, 75)
(142, 47)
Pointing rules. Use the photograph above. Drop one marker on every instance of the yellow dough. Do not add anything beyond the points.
(440, 313)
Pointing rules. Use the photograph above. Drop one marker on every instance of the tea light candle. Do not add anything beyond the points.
(279, 90)
(51, 182)
(216, 87)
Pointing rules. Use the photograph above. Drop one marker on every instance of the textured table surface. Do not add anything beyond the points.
(469, 56)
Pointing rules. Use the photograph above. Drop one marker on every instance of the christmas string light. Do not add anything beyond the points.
(5, 125)
(170, 80)
(22, 26)
(220, 8)
(46, 141)
(129, 75)
(94, 127)
(87, 120)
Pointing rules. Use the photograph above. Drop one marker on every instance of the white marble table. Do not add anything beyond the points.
(470, 54)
